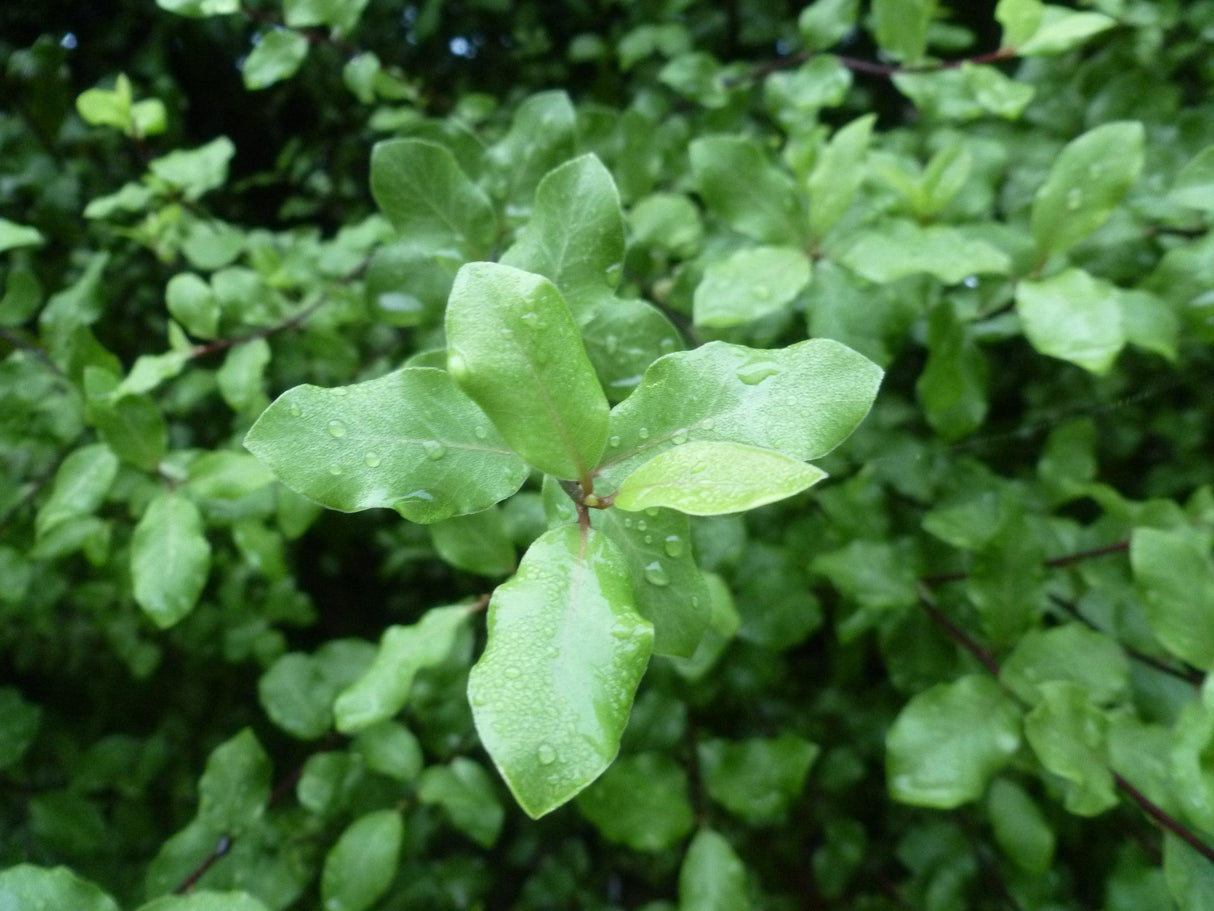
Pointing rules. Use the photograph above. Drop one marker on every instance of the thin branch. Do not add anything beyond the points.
(1052, 563)
(17, 340)
(956, 633)
(1163, 819)
(870, 68)
(221, 848)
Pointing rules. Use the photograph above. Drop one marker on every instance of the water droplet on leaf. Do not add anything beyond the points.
(614, 442)
(643, 433)
(295, 410)
(679, 438)
(1074, 198)
(546, 754)
(673, 545)
(641, 525)
(756, 372)
(434, 449)
(339, 391)
(335, 470)
(337, 429)
(512, 673)
(372, 459)
(708, 423)
(457, 366)
(481, 433)
(655, 574)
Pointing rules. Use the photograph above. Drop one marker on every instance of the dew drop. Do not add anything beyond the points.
(478, 699)
(652, 512)
(656, 575)
(708, 423)
(295, 410)
(754, 373)
(699, 467)
(552, 651)
(612, 344)
(337, 429)
(481, 433)
(627, 523)
(457, 366)
(372, 459)
(614, 442)
(335, 470)
(546, 754)
(1074, 198)
(648, 539)
(434, 449)
(679, 438)
(673, 545)
(340, 391)
(512, 673)
(642, 525)
(643, 433)
(507, 332)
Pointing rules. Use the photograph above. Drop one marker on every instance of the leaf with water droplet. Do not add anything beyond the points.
(538, 388)
(705, 478)
(1072, 203)
(749, 285)
(406, 441)
(573, 591)
(623, 337)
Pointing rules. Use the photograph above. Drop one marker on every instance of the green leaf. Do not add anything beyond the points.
(1069, 652)
(1074, 317)
(575, 237)
(756, 779)
(226, 475)
(343, 15)
(1194, 186)
(277, 56)
(741, 187)
(796, 97)
(825, 23)
(205, 900)
(19, 722)
(1019, 827)
(901, 27)
(878, 574)
(896, 248)
(1020, 19)
(1188, 774)
(233, 790)
(1176, 580)
(196, 171)
(1086, 182)
(640, 802)
(297, 690)
(750, 284)
(723, 623)
(513, 347)
(13, 235)
(666, 221)
(705, 478)
(622, 338)
(1068, 734)
(437, 210)
(200, 8)
(170, 559)
(465, 792)
(952, 387)
(1189, 875)
(1149, 322)
(801, 401)
(192, 303)
(27, 886)
(384, 689)
(81, 484)
(1062, 30)
(566, 649)
(839, 169)
(667, 585)
(476, 543)
(948, 741)
(22, 297)
(362, 863)
(410, 441)
(712, 877)
(391, 749)
(242, 375)
(107, 107)
(696, 76)
(542, 135)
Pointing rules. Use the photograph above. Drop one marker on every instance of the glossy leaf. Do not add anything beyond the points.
(801, 401)
(361, 865)
(476, 543)
(384, 689)
(1176, 579)
(410, 441)
(297, 690)
(1074, 317)
(949, 740)
(575, 237)
(756, 779)
(542, 136)
(27, 886)
(170, 559)
(712, 877)
(640, 802)
(1061, 31)
(233, 790)
(277, 56)
(566, 649)
(746, 192)
(623, 337)
(839, 169)
(706, 478)
(81, 483)
(465, 793)
(1068, 652)
(749, 285)
(390, 749)
(1068, 734)
(897, 248)
(513, 347)
(419, 186)
(1087, 181)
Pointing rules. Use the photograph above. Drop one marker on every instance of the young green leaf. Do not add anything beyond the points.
(276, 57)
(1074, 317)
(641, 802)
(1087, 181)
(1062, 30)
(81, 483)
(712, 877)
(410, 441)
(622, 338)
(233, 790)
(1068, 734)
(465, 792)
(1019, 826)
(896, 248)
(705, 478)
(205, 900)
(749, 285)
(801, 401)
(575, 237)
(566, 650)
(1176, 580)
(747, 192)
(901, 26)
(430, 201)
(1194, 186)
(839, 169)
(170, 559)
(512, 346)
(361, 865)
(756, 779)
(542, 135)
(1068, 652)
(133, 427)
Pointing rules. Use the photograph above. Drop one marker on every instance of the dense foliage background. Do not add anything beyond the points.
(966, 671)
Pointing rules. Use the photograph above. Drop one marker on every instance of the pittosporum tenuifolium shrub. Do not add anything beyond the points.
(665, 455)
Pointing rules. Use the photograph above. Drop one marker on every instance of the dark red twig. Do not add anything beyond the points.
(1052, 563)
(868, 67)
(221, 848)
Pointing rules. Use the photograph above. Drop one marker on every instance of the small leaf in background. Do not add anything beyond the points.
(362, 863)
(744, 190)
(949, 740)
(878, 574)
(27, 886)
(552, 691)
(81, 483)
(901, 26)
(1019, 19)
(575, 237)
(410, 441)
(723, 623)
(384, 688)
(1068, 734)
(196, 171)
(542, 135)
(192, 303)
(1190, 781)
(623, 337)
(1068, 652)
(419, 186)
(1074, 317)
(170, 559)
(134, 429)
(1020, 828)
(476, 543)
(343, 15)
(896, 248)
(205, 900)
(233, 790)
(667, 221)
(640, 802)
(22, 297)
(756, 779)
(749, 285)
(13, 235)
(712, 877)
(706, 478)
(1149, 322)
(277, 56)
(1062, 30)
(824, 23)
(1176, 580)
(1194, 185)
(242, 376)
(513, 347)
(952, 386)
(840, 166)
(697, 77)
(19, 722)
(465, 793)
(391, 749)
(1088, 179)
(200, 8)
(297, 690)
(1189, 875)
